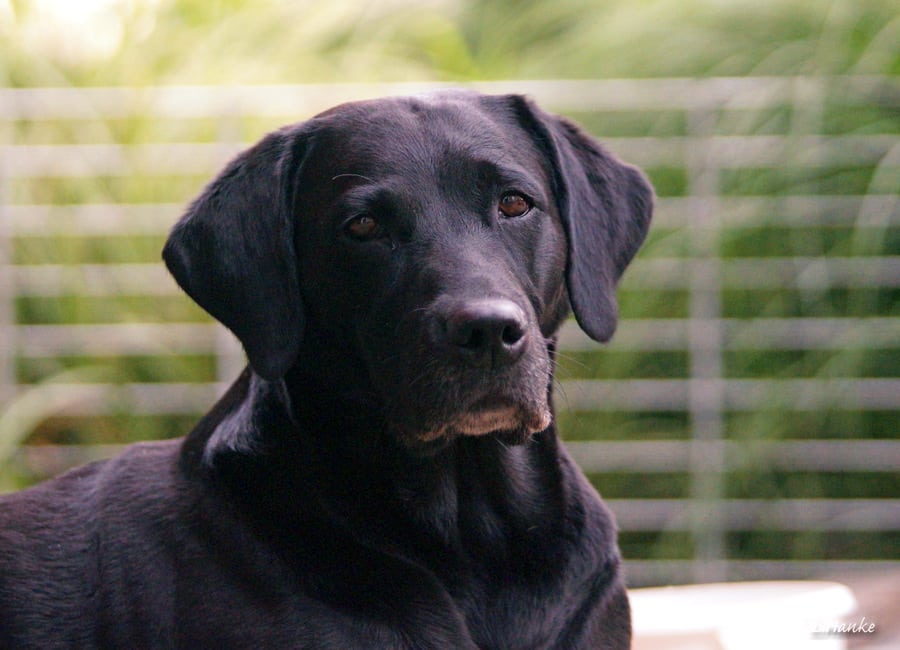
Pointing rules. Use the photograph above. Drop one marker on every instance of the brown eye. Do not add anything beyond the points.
(363, 228)
(514, 205)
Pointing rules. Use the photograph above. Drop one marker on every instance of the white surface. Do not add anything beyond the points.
(740, 615)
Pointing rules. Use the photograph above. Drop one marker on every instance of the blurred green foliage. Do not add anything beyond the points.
(283, 41)
(162, 42)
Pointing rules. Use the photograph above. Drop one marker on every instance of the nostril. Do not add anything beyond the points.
(512, 334)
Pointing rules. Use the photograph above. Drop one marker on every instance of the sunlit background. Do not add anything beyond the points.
(743, 423)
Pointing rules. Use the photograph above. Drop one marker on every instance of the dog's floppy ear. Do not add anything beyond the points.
(605, 206)
(233, 252)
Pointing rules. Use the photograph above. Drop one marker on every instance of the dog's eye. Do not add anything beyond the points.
(514, 205)
(363, 228)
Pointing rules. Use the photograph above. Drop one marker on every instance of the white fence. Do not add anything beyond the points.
(706, 335)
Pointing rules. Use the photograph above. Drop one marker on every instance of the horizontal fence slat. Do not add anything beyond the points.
(93, 280)
(86, 400)
(752, 151)
(90, 160)
(739, 394)
(724, 152)
(744, 334)
(869, 211)
(758, 514)
(812, 333)
(805, 273)
(655, 572)
(782, 455)
(802, 273)
(186, 102)
(96, 219)
(41, 220)
(117, 339)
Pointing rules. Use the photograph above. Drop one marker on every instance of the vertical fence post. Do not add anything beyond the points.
(7, 283)
(705, 339)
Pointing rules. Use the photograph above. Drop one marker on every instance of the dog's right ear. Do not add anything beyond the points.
(233, 251)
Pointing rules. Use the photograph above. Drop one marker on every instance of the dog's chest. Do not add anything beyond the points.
(511, 617)
(511, 595)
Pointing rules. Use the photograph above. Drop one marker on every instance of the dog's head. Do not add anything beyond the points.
(417, 255)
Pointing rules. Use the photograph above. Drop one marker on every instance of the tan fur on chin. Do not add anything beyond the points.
(482, 422)
(479, 423)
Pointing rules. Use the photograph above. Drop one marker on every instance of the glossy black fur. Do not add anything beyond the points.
(349, 490)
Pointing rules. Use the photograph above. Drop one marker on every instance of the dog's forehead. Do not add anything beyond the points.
(420, 131)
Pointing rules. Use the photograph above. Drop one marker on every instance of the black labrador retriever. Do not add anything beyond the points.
(387, 472)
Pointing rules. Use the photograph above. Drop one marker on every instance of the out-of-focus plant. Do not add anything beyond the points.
(295, 41)
(42, 400)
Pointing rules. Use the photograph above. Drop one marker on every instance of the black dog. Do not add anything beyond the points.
(386, 473)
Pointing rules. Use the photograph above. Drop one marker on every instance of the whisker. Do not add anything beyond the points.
(365, 178)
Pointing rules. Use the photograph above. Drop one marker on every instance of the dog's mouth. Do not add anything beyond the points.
(488, 416)
(434, 396)
(511, 421)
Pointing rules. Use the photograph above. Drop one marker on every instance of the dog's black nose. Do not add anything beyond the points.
(489, 332)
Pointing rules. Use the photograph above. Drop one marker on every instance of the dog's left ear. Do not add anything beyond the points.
(233, 252)
(605, 206)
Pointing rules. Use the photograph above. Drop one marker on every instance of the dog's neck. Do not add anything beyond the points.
(326, 451)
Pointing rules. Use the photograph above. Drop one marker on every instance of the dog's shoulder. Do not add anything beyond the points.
(49, 521)
(59, 538)
(141, 468)
(67, 497)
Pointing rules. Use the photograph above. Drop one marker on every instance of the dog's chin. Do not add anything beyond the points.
(511, 424)
(514, 420)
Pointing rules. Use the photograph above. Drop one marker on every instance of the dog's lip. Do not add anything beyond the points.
(492, 414)
(474, 423)
(485, 416)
